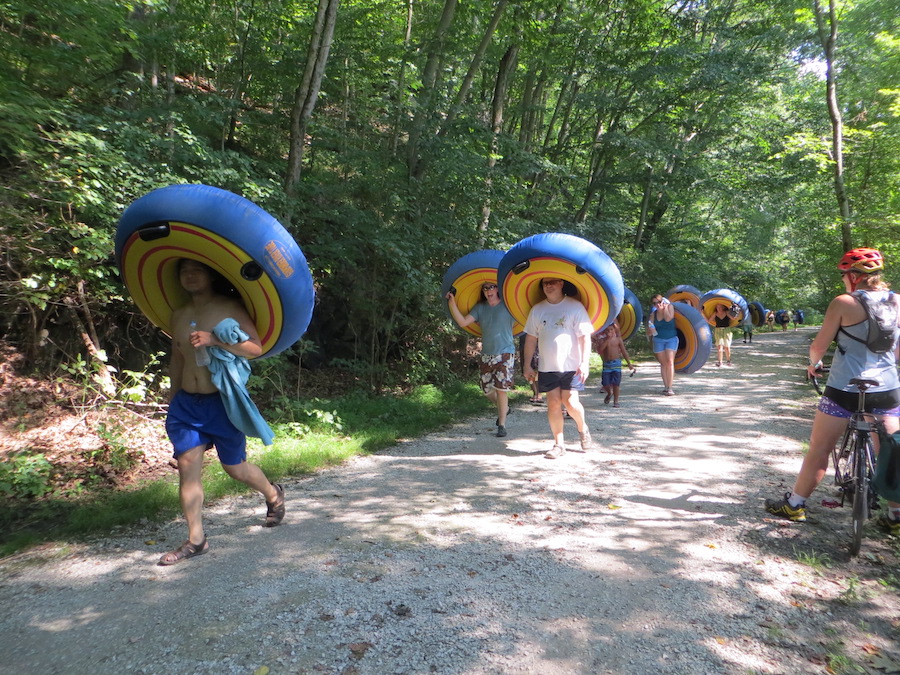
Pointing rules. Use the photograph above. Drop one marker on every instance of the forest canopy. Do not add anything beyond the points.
(728, 143)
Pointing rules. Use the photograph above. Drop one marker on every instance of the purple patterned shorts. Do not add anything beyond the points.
(829, 407)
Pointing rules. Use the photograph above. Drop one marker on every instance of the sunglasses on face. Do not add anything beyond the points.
(489, 287)
(550, 282)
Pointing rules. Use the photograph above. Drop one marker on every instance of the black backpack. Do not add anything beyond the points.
(882, 318)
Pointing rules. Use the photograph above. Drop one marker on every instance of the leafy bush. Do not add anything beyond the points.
(25, 476)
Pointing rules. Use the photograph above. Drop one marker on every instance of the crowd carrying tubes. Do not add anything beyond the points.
(591, 275)
(228, 233)
(465, 278)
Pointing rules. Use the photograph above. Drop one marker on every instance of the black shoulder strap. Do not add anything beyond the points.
(841, 328)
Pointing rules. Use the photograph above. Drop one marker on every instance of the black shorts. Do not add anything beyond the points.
(875, 401)
(567, 381)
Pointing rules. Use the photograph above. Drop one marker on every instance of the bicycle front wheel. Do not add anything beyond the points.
(861, 451)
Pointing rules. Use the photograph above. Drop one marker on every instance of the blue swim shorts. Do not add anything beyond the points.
(200, 419)
(611, 378)
(662, 344)
(567, 381)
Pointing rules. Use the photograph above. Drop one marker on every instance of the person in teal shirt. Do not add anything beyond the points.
(661, 327)
(498, 349)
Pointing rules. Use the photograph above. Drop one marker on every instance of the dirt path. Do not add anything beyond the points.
(464, 553)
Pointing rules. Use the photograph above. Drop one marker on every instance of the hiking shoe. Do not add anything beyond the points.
(501, 431)
(891, 525)
(587, 443)
(275, 510)
(555, 452)
(784, 509)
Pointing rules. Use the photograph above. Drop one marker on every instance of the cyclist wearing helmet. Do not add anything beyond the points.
(845, 318)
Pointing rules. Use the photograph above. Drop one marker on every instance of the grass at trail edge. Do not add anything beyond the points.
(309, 436)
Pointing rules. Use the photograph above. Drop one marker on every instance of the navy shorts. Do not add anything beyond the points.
(611, 378)
(200, 419)
(567, 381)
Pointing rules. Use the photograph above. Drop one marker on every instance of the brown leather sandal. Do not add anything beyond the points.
(185, 551)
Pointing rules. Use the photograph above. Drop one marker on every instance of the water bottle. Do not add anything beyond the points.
(651, 328)
(201, 353)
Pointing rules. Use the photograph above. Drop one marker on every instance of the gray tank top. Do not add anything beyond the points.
(853, 359)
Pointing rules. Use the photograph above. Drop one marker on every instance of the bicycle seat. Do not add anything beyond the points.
(863, 383)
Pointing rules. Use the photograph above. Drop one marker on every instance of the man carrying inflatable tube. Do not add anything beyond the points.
(560, 328)
(198, 414)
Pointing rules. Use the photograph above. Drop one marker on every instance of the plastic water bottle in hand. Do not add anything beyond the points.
(201, 353)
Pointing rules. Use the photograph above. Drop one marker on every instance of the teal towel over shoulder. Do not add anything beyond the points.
(230, 374)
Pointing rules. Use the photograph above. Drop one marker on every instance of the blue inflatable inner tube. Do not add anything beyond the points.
(465, 278)
(229, 234)
(592, 276)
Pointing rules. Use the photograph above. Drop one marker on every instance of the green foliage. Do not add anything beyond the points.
(138, 385)
(330, 430)
(813, 559)
(690, 143)
(114, 454)
(25, 476)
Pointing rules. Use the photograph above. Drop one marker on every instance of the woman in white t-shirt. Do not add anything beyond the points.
(560, 328)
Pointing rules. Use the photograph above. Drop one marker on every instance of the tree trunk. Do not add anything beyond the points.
(645, 203)
(308, 91)
(103, 377)
(474, 66)
(827, 28)
(401, 79)
(429, 78)
(501, 86)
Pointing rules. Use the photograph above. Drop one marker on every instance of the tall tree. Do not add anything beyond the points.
(827, 31)
(307, 92)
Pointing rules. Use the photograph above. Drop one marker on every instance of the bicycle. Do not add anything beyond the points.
(854, 463)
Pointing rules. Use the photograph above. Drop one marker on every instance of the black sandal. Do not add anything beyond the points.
(275, 510)
(185, 551)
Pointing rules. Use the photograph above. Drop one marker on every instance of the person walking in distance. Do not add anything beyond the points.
(560, 328)
(747, 325)
(721, 323)
(612, 352)
(198, 415)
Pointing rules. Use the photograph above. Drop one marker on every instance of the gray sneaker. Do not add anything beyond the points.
(501, 431)
(555, 452)
(587, 443)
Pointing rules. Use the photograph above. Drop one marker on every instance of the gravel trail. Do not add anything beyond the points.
(460, 552)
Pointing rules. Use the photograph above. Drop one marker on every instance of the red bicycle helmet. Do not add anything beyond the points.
(865, 260)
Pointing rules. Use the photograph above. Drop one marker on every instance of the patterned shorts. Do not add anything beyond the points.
(829, 407)
(497, 372)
